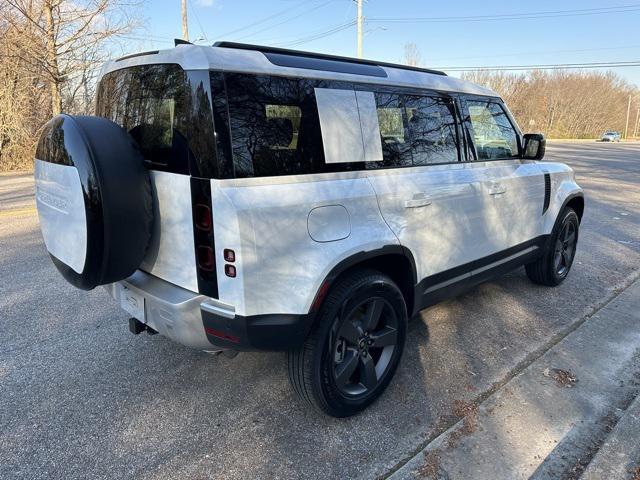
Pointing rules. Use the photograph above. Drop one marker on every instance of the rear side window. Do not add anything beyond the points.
(432, 128)
(415, 130)
(493, 134)
(150, 102)
(274, 126)
(396, 145)
(278, 125)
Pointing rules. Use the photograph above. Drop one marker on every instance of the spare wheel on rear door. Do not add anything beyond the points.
(94, 200)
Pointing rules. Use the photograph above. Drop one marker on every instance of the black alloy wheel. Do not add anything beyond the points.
(565, 249)
(364, 346)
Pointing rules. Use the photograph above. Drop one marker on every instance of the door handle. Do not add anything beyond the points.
(418, 200)
(496, 189)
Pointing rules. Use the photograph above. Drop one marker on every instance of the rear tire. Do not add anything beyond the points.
(355, 346)
(555, 263)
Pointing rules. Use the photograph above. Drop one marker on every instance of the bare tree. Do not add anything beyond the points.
(412, 55)
(50, 52)
(24, 99)
(74, 34)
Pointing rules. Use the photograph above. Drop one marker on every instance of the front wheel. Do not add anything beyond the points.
(355, 346)
(553, 266)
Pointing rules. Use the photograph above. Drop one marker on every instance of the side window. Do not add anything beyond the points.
(493, 135)
(274, 126)
(432, 130)
(392, 120)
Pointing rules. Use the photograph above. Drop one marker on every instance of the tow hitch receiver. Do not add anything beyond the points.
(136, 327)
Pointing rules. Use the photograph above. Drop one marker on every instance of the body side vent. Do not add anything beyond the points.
(547, 192)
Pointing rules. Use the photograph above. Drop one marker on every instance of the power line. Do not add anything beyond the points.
(510, 16)
(195, 14)
(306, 12)
(265, 19)
(520, 54)
(326, 33)
(554, 66)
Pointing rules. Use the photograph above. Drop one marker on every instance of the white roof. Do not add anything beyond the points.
(197, 57)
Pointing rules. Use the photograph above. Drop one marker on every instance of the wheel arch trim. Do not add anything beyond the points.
(361, 258)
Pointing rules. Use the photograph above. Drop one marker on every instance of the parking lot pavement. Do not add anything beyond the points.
(80, 397)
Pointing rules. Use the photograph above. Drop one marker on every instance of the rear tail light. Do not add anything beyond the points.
(203, 218)
(204, 243)
(206, 259)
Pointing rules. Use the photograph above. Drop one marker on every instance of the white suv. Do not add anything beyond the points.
(238, 197)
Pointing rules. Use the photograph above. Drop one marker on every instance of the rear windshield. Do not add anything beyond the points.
(150, 102)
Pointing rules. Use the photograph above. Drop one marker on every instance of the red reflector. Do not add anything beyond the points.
(225, 336)
(322, 292)
(229, 255)
(230, 271)
(206, 259)
(203, 219)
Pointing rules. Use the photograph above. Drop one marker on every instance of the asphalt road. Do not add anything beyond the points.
(80, 397)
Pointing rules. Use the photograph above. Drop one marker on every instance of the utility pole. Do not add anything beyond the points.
(626, 126)
(359, 2)
(635, 129)
(185, 24)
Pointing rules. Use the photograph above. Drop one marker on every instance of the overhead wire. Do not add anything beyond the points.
(552, 66)
(510, 16)
(317, 36)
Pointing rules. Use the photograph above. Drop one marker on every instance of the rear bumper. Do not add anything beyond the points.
(205, 323)
(278, 332)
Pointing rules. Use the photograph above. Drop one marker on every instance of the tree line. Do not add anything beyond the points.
(50, 54)
(565, 104)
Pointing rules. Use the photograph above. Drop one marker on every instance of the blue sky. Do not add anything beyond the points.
(573, 38)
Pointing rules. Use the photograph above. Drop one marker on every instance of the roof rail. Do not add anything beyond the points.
(321, 56)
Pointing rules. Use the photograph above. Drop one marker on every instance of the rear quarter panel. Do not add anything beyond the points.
(265, 220)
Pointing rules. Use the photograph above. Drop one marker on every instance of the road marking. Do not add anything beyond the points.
(18, 212)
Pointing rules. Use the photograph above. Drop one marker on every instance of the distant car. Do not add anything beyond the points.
(611, 136)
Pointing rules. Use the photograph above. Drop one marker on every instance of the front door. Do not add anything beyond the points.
(512, 190)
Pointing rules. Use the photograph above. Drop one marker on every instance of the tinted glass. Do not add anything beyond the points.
(151, 103)
(396, 151)
(275, 129)
(432, 130)
(493, 135)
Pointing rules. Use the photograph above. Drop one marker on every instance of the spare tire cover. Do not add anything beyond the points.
(93, 195)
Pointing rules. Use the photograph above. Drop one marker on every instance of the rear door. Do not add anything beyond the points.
(154, 104)
(426, 195)
(511, 190)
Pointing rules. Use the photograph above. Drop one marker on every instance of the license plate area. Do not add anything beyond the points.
(132, 303)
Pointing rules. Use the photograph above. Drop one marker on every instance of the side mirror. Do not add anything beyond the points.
(534, 146)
